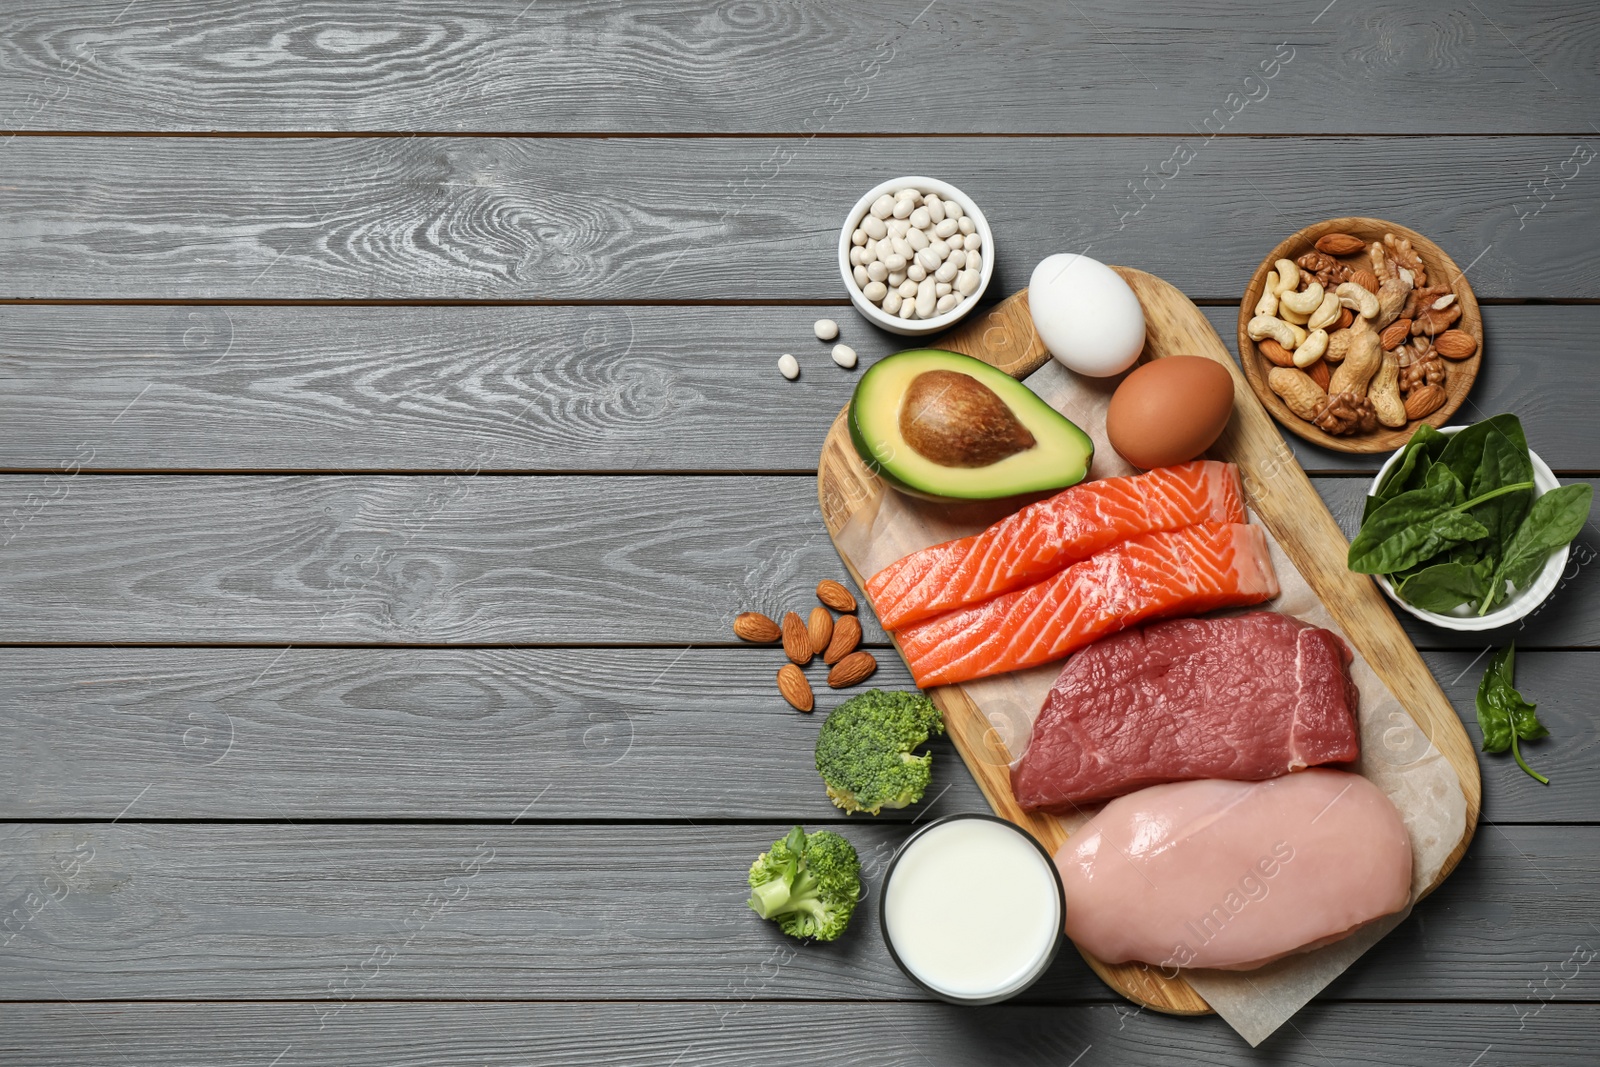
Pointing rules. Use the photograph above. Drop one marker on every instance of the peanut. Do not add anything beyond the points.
(1303, 396)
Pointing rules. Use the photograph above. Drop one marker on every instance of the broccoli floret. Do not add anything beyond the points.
(807, 883)
(865, 750)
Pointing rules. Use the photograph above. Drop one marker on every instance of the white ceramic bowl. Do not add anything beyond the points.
(1522, 601)
(894, 323)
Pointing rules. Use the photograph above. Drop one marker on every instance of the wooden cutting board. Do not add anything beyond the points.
(1281, 496)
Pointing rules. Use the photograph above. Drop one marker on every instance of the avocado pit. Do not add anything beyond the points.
(954, 420)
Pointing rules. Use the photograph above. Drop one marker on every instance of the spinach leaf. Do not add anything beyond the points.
(1424, 447)
(1553, 520)
(1464, 452)
(1503, 715)
(1443, 587)
(1502, 463)
(1419, 524)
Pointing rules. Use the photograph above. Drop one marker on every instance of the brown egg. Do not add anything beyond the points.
(1169, 410)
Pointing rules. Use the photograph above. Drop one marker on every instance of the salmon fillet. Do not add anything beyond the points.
(1044, 537)
(1177, 572)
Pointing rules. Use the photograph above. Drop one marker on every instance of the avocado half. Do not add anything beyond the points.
(945, 426)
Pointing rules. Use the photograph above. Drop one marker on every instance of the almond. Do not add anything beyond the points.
(1366, 279)
(1424, 400)
(1347, 319)
(1395, 334)
(835, 595)
(794, 687)
(755, 627)
(820, 629)
(846, 636)
(1455, 344)
(1339, 244)
(1275, 352)
(854, 668)
(1320, 373)
(796, 639)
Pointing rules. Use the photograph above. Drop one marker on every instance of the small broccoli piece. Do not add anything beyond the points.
(865, 750)
(807, 883)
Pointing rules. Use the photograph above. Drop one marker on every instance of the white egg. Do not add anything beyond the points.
(1087, 316)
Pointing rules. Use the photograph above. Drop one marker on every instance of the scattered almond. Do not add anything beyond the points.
(835, 595)
(1455, 344)
(1395, 334)
(855, 667)
(1275, 352)
(794, 687)
(820, 629)
(846, 636)
(1339, 244)
(1424, 400)
(796, 639)
(1366, 279)
(755, 627)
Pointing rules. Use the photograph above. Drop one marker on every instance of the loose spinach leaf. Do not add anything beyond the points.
(1464, 452)
(1424, 447)
(1502, 463)
(1553, 520)
(1503, 715)
(1443, 587)
(1417, 525)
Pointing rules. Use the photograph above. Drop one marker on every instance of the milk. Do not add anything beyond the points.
(973, 908)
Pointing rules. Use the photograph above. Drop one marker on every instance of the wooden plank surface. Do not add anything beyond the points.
(606, 912)
(436, 559)
(661, 219)
(460, 734)
(1557, 1034)
(499, 65)
(550, 388)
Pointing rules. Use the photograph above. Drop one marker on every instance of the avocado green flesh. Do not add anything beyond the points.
(1059, 458)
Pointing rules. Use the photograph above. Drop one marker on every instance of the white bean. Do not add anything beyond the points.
(898, 227)
(975, 262)
(946, 303)
(860, 275)
(859, 237)
(958, 257)
(926, 299)
(908, 309)
(946, 228)
(869, 252)
(941, 288)
(788, 366)
(953, 210)
(875, 292)
(883, 207)
(965, 224)
(891, 302)
(945, 273)
(856, 255)
(915, 272)
(917, 240)
(908, 288)
(874, 227)
(920, 218)
(935, 208)
(903, 208)
(894, 261)
(844, 355)
(928, 259)
(972, 242)
(940, 249)
(825, 329)
(966, 282)
(895, 278)
(902, 247)
(908, 193)
(877, 272)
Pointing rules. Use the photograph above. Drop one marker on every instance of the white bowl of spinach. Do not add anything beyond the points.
(1466, 528)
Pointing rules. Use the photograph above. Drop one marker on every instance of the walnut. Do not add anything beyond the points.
(1401, 251)
(1433, 320)
(1393, 290)
(1421, 298)
(1416, 372)
(1347, 412)
(1324, 268)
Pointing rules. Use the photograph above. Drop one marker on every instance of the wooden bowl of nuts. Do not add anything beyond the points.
(1355, 331)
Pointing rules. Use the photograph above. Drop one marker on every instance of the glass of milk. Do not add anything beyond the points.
(972, 909)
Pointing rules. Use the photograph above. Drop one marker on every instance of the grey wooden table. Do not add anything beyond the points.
(390, 428)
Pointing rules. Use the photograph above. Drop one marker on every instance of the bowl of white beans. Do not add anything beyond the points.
(916, 254)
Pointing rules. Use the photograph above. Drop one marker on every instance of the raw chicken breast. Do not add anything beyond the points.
(1234, 874)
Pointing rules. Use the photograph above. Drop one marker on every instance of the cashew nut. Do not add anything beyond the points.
(1299, 334)
(1327, 312)
(1357, 299)
(1288, 277)
(1311, 350)
(1302, 303)
(1268, 304)
(1264, 326)
(1294, 318)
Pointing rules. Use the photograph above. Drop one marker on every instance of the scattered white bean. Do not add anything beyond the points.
(895, 278)
(946, 303)
(946, 228)
(788, 366)
(908, 288)
(825, 329)
(844, 355)
(915, 272)
(874, 227)
(883, 207)
(891, 303)
(920, 219)
(935, 208)
(875, 291)
(859, 237)
(926, 299)
(917, 240)
(966, 282)
(941, 288)
(894, 261)
(965, 224)
(903, 208)
(945, 273)
(877, 271)
(859, 273)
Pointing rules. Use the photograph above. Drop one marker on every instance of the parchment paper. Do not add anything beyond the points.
(1395, 754)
